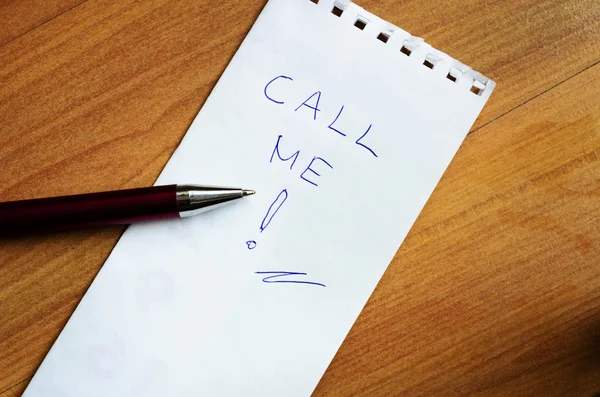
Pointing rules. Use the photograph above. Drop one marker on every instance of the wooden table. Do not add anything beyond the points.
(496, 291)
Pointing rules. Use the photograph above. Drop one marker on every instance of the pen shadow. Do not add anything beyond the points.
(30, 248)
(11, 237)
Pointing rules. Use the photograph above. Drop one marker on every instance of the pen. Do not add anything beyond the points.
(113, 207)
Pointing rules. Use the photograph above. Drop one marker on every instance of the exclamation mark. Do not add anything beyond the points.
(273, 208)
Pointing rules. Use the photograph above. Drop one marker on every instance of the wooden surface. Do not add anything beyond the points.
(496, 290)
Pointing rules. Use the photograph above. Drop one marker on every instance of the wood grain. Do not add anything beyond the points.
(493, 292)
(496, 291)
(17, 17)
(16, 390)
(525, 46)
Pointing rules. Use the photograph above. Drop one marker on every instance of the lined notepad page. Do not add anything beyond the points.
(343, 124)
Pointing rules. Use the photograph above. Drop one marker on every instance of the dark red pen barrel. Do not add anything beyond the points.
(105, 208)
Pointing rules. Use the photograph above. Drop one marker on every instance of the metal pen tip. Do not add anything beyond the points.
(246, 192)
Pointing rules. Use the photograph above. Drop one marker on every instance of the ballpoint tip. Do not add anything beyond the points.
(246, 192)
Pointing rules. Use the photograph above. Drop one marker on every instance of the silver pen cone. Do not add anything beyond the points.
(196, 199)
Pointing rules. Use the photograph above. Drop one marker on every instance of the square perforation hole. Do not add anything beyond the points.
(337, 11)
(453, 74)
(405, 50)
(383, 37)
(360, 24)
(429, 64)
(477, 87)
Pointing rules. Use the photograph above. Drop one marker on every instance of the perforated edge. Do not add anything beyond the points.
(415, 48)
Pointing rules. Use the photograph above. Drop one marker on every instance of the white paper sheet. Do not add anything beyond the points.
(192, 307)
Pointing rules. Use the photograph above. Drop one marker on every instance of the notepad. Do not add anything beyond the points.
(343, 124)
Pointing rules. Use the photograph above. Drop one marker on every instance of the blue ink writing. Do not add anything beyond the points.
(363, 145)
(272, 81)
(276, 150)
(278, 277)
(294, 157)
(317, 165)
(313, 102)
(313, 171)
(333, 122)
(275, 206)
(314, 108)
